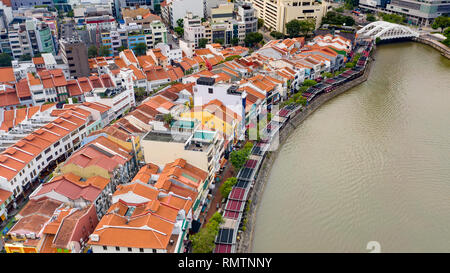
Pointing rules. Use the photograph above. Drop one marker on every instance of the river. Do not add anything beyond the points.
(372, 164)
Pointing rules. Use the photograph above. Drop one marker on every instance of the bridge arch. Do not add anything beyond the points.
(385, 31)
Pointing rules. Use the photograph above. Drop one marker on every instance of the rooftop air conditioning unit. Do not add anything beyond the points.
(95, 237)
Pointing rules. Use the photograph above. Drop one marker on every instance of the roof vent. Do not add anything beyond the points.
(95, 237)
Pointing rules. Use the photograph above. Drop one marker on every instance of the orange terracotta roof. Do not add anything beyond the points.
(7, 75)
(23, 90)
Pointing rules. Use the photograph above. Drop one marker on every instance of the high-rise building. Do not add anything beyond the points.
(418, 11)
(276, 13)
(74, 53)
(246, 13)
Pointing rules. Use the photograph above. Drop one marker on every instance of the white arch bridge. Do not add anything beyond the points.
(386, 31)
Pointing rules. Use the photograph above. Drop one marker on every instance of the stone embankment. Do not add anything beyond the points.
(445, 51)
(245, 243)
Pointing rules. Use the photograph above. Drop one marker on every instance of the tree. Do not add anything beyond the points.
(92, 51)
(202, 42)
(349, 21)
(219, 41)
(180, 22)
(260, 23)
(277, 35)
(239, 157)
(203, 241)
(140, 49)
(25, 57)
(350, 65)
(121, 48)
(351, 4)
(253, 38)
(179, 31)
(309, 83)
(293, 28)
(104, 51)
(370, 17)
(5, 60)
(299, 99)
(334, 18)
(306, 26)
(327, 75)
(227, 186)
(168, 118)
(235, 41)
(377, 40)
(303, 89)
(441, 22)
(70, 13)
(340, 9)
(232, 57)
(140, 93)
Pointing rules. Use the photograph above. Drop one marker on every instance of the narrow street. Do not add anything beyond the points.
(217, 197)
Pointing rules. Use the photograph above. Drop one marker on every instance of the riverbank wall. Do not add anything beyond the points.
(245, 242)
(444, 50)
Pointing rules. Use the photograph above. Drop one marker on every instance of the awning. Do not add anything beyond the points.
(195, 226)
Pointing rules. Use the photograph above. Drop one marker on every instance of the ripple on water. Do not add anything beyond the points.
(372, 164)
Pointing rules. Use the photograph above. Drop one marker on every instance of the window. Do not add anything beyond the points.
(47, 151)
(129, 249)
(105, 248)
(141, 250)
(210, 90)
(117, 248)
(154, 250)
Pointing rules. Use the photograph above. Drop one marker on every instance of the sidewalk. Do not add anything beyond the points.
(227, 173)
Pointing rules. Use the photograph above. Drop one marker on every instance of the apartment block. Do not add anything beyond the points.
(277, 13)
(22, 162)
(74, 53)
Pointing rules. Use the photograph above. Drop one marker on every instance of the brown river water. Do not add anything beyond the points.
(372, 164)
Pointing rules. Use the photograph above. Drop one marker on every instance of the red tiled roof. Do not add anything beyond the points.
(7, 75)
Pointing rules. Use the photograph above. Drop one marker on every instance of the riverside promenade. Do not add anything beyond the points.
(445, 51)
(245, 242)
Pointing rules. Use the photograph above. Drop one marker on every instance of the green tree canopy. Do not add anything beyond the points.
(334, 18)
(441, 22)
(293, 28)
(104, 51)
(140, 49)
(168, 118)
(260, 23)
(179, 31)
(276, 34)
(239, 157)
(203, 241)
(121, 48)
(219, 41)
(180, 22)
(5, 59)
(309, 82)
(253, 38)
(92, 51)
(227, 186)
(393, 18)
(235, 41)
(25, 57)
(307, 26)
(202, 42)
(230, 58)
(371, 18)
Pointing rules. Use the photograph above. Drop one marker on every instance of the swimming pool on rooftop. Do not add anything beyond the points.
(204, 135)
